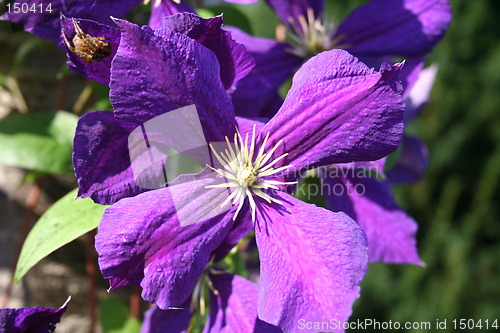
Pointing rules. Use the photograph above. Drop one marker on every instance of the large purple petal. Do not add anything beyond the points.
(234, 308)
(274, 63)
(390, 231)
(291, 10)
(235, 62)
(32, 320)
(174, 320)
(153, 74)
(46, 24)
(408, 28)
(101, 158)
(338, 111)
(141, 240)
(412, 161)
(99, 70)
(312, 261)
(162, 8)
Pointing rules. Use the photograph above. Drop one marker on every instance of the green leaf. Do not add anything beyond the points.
(66, 220)
(115, 317)
(38, 141)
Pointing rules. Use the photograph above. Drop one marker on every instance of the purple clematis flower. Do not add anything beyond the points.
(32, 320)
(312, 260)
(43, 18)
(379, 29)
(101, 157)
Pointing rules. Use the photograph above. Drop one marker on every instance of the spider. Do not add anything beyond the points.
(90, 49)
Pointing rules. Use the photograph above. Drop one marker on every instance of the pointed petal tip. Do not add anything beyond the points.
(66, 302)
(389, 71)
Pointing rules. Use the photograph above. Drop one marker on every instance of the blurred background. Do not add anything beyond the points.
(457, 204)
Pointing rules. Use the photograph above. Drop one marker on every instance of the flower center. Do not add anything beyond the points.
(312, 35)
(248, 175)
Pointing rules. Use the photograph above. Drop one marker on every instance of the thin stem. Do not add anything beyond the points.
(31, 203)
(90, 269)
(135, 302)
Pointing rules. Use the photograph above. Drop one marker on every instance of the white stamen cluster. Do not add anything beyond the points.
(248, 175)
(312, 36)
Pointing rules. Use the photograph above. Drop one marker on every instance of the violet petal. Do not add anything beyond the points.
(312, 261)
(292, 9)
(390, 231)
(235, 62)
(141, 240)
(338, 111)
(234, 308)
(160, 9)
(33, 320)
(101, 158)
(153, 74)
(412, 162)
(175, 320)
(407, 28)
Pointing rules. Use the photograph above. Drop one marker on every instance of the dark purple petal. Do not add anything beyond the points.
(45, 24)
(418, 96)
(32, 320)
(390, 231)
(245, 125)
(375, 168)
(312, 261)
(254, 97)
(174, 320)
(101, 158)
(234, 308)
(142, 240)
(235, 62)
(241, 227)
(160, 9)
(274, 63)
(288, 10)
(412, 162)
(99, 70)
(256, 94)
(338, 111)
(153, 74)
(408, 28)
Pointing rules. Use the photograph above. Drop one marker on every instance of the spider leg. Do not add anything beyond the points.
(71, 48)
(78, 29)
